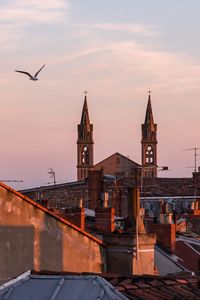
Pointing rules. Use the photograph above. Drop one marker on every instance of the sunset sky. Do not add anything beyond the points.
(116, 50)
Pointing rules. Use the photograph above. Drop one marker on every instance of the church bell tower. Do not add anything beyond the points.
(149, 143)
(85, 144)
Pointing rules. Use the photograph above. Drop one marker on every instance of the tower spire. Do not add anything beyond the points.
(149, 142)
(84, 143)
(85, 114)
(149, 114)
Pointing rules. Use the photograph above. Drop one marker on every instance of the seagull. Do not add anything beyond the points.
(34, 78)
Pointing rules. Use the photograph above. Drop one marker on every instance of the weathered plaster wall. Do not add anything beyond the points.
(31, 238)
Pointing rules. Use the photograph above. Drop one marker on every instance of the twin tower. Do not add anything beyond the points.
(85, 144)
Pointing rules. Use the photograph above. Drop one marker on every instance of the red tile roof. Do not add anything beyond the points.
(157, 288)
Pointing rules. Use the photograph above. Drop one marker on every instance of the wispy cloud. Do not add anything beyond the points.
(125, 27)
(44, 11)
(17, 16)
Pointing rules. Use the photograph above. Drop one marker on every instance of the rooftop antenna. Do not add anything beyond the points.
(195, 156)
(52, 174)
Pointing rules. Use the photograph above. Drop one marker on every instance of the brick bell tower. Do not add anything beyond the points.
(85, 144)
(149, 143)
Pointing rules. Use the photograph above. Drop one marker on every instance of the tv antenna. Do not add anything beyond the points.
(52, 174)
(195, 156)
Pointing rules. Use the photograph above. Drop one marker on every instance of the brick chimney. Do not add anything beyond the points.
(166, 235)
(76, 215)
(130, 252)
(95, 187)
(105, 216)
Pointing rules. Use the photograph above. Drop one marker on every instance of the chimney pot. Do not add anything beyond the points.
(81, 202)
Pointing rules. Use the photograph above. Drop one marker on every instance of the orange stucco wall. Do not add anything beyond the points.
(31, 238)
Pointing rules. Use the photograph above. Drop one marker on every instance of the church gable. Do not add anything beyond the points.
(116, 165)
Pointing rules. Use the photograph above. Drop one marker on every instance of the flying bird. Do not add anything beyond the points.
(34, 78)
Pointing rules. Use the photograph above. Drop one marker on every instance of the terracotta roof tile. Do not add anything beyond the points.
(181, 281)
(153, 294)
(192, 280)
(120, 288)
(169, 282)
(178, 290)
(156, 283)
(159, 288)
(125, 282)
(131, 286)
(143, 285)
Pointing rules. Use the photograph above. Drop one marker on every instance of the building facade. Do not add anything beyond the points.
(32, 237)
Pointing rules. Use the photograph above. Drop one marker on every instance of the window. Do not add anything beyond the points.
(85, 155)
(149, 155)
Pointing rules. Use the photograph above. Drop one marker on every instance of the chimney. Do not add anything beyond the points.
(105, 216)
(95, 187)
(76, 215)
(192, 205)
(104, 199)
(166, 235)
(194, 208)
(134, 211)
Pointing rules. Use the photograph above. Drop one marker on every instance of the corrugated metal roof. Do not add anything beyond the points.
(59, 287)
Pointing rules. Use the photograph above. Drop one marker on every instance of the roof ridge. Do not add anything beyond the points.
(44, 209)
(118, 153)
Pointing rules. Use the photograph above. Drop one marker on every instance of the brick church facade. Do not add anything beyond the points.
(115, 174)
(117, 164)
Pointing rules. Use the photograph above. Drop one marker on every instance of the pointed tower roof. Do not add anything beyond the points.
(85, 120)
(149, 122)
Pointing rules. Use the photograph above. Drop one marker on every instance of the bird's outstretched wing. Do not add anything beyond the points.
(36, 74)
(24, 73)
